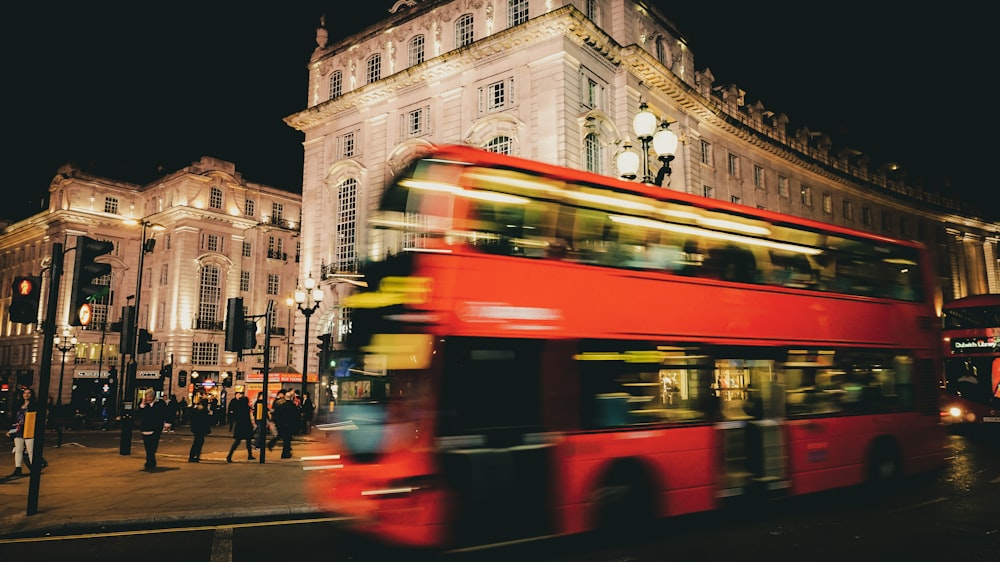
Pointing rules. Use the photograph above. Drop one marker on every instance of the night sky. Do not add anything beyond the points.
(131, 92)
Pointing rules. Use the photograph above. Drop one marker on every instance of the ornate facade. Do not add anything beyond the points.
(560, 82)
(222, 237)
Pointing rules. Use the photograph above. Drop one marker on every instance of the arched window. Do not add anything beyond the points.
(209, 296)
(416, 50)
(463, 31)
(336, 83)
(500, 145)
(517, 12)
(215, 198)
(347, 217)
(592, 154)
(374, 68)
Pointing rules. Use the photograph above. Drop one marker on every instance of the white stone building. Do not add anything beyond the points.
(223, 236)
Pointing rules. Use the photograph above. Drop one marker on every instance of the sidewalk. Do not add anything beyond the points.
(86, 488)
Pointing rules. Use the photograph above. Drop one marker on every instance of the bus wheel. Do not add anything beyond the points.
(624, 503)
(885, 469)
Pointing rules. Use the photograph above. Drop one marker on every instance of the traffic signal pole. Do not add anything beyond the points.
(128, 378)
(44, 374)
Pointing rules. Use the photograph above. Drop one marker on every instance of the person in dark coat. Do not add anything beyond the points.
(241, 419)
(201, 425)
(286, 418)
(152, 413)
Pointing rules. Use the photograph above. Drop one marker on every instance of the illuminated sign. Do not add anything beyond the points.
(85, 314)
(975, 345)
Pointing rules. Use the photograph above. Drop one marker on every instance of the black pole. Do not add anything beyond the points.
(262, 425)
(44, 374)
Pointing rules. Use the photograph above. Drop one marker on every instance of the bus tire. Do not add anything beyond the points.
(885, 467)
(624, 502)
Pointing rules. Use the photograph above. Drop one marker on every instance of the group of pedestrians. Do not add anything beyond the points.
(288, 413)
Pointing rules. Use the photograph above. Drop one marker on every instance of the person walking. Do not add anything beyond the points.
(241, 419)
(23, 431)
(151, 414)
(171, 419)
(308, 413)
(201, 425)
(285, 415)
(263, 418)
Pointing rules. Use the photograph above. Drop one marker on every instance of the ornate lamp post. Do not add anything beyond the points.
(307, 300)
(71, 341)
(664, 143)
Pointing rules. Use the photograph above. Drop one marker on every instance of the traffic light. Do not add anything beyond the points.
(250, 336)
(167, 371)
(145, 343)
(324, 342)
(127, 325)
(85, 272)
(235, 325)
(25, 298)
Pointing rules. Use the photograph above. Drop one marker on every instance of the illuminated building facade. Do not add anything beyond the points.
(222, 236)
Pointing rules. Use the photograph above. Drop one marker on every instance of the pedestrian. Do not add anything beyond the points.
(308, 412)
(23, 431)
(201, 425)
(171, 419)
(241, 419)
(152, 412)
(182, 411)
(263, 419)
(285, 415)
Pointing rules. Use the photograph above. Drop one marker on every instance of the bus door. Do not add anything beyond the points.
(493, 452)
(751, 404)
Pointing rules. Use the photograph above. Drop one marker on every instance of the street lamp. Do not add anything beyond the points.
(70, 344)
(307, 300)
(664, 143)
(146, 245)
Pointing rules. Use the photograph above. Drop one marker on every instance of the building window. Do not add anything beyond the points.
(374, 65)
(347, 145)
(500, 145)
(248, 208)
(463, 31)
(706, 191)
(111, 205)
(827, 204)
(592, 10)
(734, 166)
(209, 295)
(592, 154)
(706, 153)
(276, 248)
(272, 284)
(848, 210)
(247, 249)
(212, 243)
(416, 50)
(204, 353)
(164, 274)
(517, 12)
(244, 281)
(807, 196)
(904, 227)
(495, 99)
(734, 199)
(866, 216)
(758, 177)
(886, 221)
(215, 198)
(277, 211)
(783, 190)
(415, 122)
(347, 214)
(593, 94)
(336, 83)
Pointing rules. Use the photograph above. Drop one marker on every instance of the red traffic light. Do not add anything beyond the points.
(25, 297)
(25, 286)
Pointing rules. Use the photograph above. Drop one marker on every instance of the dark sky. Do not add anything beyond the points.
(123, 90)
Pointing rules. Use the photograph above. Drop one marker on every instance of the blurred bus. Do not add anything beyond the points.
(971, 384)
(549, 352)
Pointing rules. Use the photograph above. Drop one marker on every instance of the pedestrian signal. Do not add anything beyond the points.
(26, 295)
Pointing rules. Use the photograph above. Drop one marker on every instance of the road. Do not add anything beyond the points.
(951, 515)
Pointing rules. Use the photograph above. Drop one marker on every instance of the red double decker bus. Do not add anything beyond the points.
(971, 384)
(547, 351)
